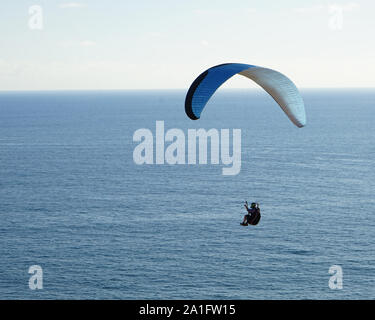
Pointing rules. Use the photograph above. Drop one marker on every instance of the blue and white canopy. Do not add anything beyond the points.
(281, 88)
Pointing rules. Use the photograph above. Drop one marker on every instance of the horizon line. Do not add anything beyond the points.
(176, 89)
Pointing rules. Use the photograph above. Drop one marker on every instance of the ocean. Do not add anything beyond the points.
(73, 201)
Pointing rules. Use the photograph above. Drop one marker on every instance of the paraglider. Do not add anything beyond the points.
(253, 214)
(277, 85)
(281, 88)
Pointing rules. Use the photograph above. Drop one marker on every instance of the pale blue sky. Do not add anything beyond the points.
(96, 44)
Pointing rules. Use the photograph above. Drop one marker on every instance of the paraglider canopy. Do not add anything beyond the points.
(281, 88)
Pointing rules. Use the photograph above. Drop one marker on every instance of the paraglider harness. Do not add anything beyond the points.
(253, 215)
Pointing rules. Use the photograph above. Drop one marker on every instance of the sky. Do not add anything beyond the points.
(166, 44)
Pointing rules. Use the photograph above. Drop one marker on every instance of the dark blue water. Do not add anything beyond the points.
(73, 201)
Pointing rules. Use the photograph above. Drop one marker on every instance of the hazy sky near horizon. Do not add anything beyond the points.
(163, 44)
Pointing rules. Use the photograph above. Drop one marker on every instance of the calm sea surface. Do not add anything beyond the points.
(73, 201)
